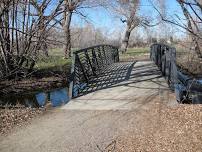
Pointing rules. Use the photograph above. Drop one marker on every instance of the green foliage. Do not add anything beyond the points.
(137, 51)
(54, 62)
(134, 52)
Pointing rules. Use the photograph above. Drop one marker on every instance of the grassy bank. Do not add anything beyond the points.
(135, 53)
(55, 61)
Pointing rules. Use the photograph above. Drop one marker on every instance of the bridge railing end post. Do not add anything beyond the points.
(71, 83)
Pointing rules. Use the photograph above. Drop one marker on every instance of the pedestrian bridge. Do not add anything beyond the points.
(129, 86)
(98, 67)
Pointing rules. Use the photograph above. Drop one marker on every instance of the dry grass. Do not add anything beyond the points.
(188, 60)
(190, 63)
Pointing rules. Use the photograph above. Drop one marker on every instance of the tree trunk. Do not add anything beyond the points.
(124, 44)
(66, 28)
(198, 3)
(189, 22)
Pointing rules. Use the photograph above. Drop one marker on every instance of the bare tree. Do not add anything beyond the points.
(192, 12)
(70, 7)
(162, 26)
(23, 27)
(87, 36)
(192, 25)
(128, 11)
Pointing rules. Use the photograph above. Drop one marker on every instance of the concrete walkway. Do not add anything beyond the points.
(94, 121)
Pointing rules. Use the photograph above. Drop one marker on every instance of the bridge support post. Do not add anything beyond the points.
(71, 83)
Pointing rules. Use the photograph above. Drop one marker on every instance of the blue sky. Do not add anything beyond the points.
(101, 18)
(105, 20)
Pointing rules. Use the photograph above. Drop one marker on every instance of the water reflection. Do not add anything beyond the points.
(41, 99)
(56, 97)
(59, 97)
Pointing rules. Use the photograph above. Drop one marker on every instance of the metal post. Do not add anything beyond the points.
(71, 84)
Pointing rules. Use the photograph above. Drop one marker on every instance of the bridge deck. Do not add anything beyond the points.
(124, 85)
(108, 77)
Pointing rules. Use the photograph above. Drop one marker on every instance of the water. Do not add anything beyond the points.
(56, 97)
(59, 97)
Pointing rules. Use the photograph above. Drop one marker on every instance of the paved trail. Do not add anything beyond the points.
(94, 121)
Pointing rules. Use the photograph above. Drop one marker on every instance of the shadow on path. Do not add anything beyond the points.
(124, 74)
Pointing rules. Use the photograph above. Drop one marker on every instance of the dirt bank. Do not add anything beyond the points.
(31, 84)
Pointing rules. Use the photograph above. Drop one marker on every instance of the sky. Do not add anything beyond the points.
(103, 19)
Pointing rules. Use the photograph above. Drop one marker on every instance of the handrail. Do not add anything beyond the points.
(164, 57)
(88, 63)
